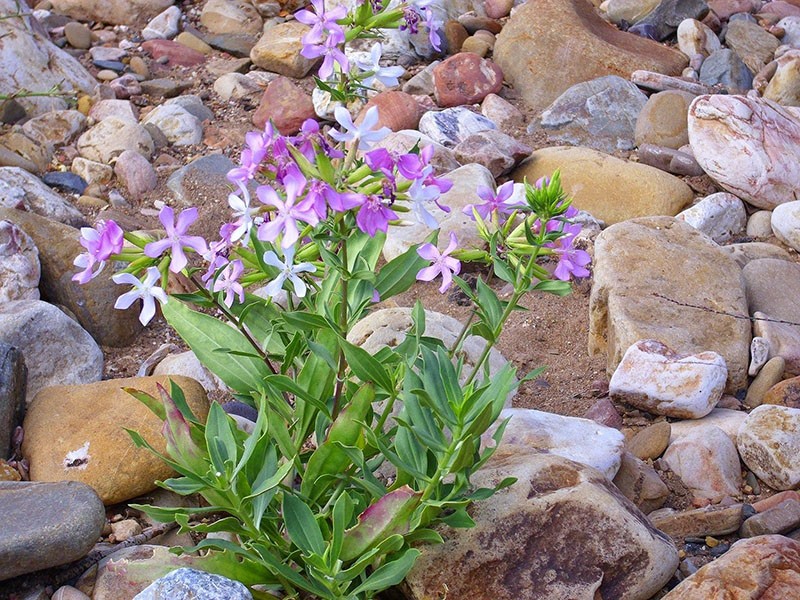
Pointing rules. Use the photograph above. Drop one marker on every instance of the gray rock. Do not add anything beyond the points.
(57, 350)
(43, 525)
(422, 82)
(111, 137)
(13, 376)
(19, 264)
(453, 125)
(20, 189)
(189, 584)
(752, 43)
(180, 126)
(772, 287)
(165, 87)
(725, 68)
(164, 25)
(495, 150)
(665, 18)
(600, 114)
(194, 105)
(780, 518)
(203, 179)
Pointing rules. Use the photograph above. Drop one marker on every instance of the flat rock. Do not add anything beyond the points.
(92, 303)
(609, 188)
(46, 524)
(769, 444)
(111, 137)
(581, 440)
(56, 349)
(571, 34)
(781, 518)
(173, 53)
(713, 520)
(654, 378)
(749, 146)
(20, 189)
(753, 569)
(751, 42)
(636, 260)
(77, 433)
(600, 114)
(184, 583)
(557, 504)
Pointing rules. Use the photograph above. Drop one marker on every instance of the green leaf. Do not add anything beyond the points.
(283, 571)
(554, 286)
(389, 574)
(400, 273)
(341, 516)
(204, 334)
(305, 321)
(185, 485)
(271, 482)
(301, 525)
(220, 440)
(365, 367)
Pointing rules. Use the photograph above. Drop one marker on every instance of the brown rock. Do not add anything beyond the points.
(570, 34)
(286, 104)
(761, 568)
(396, 110)
(780, 518)
(769, 375)
(604, 412)
(77, 433)
(664, 120)
(278, 50)
(771, 501)
(598, 544)
(785, 393)
(454, 35)
(651, 441)
(465, 78)
(175, 53)
(495, 150)
(700, 522)
(640, 484)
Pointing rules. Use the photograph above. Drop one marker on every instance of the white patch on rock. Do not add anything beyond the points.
(78, 459)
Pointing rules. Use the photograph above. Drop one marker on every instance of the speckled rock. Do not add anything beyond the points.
(769, 444)
(453, 125)
(784, 393)
(76, 433)
(184, 583)
(111, 137)
(286, 105)
(55, 128)
(720, 216)
(609, 188)
(20, 189)
(278, 50)
(558, 504)
(710, 520)
(663, 120)
(636, 260)
(19, 265)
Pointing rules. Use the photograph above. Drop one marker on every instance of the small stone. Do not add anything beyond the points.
(663, 120)
(174, 53)
(759, 225)
(476, 45)
(194, 105)
(454, 35)
(495, 150)
(286, 105)
(192, 41)
(745, 252)
(107, 53)
(785, 223)
(231, 16)
(465, 78)
(122, 109)
(236, 44)
(396, 110)
(774, 500)
(769, 444)
(720, 216)
(696, 41)
(654, 378)
(235, 86)
(126, 86)
(19, 267)
(278, 50)
(78, 35)
(754, 45)
(122, 530)
(724, 68)
(13, 377)
(67, 592)
(65, 181)
(453, 125)
(780, 518)
(136, 173)
(497, 9)
(164, 87)
(604, 412)
(188, 365)
(422, 82)
(709, 520)
(164, 26)
(202, 180)
(501, 111)
(759, 354)
(184, 584)
(91, 171)
(115, 66)
(650, 442)
(111, 137)
(11, 111)
(139, 67)
(179, 126)
(727, 420)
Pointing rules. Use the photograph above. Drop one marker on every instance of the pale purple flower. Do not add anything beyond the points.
(288, 212)
(228, 281)
(386, 75)
(332, 53)
(176, 239)
(420, 195)
(413, 166)
(433, 24)
(364, 133)
(320, 20)
(287, 270)
(343, 201)
(258, 144)
(100, 244)
(244, 213)
(145, 290)
(492, 202)
(374, 216)
(443, 264)
(571, 261)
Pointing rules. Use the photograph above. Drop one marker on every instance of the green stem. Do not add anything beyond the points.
(462, 335)
(337, 394)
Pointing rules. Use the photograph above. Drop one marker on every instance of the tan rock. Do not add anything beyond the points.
(77, 433)
(611, 189)
(784, 393)
(759, 568)
(598, 544)
(278, 50)
(760, 390)
(700, 522)
(113, 12)
(640, 484)
(769, 444)
(570, 34)
(651, 441)
(635, 265)
(231, 16)
(663, 119)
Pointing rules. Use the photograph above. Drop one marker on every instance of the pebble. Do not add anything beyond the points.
(235, 86)
(107, 53)
(179, 126)
(696, 41)
(465, 78)
(759, 224)
(668, 14)
(396, 110)
(720, 216)
(769, 444)
(46, 524)
(115, 66)
(422, 82)
(91, 171)
(231, 16)
(136, 173)
(126, 86)
(236, 44)
(127, 528)
(65, 181)
(192, 41)
(759, 354)
(501, 111)
(604, 412)
(11, 111)
(164, 25)
(774, 500)
(78, 35)
(184, 584)
(286, 104)
(453, 125)
(650, 442)
(188, 365)
(164, 87)
(173, 53)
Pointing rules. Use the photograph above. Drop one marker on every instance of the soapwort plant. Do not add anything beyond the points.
(353, 460)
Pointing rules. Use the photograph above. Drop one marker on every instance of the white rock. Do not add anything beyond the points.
(759, 224)
(20, 189)
(581, 440)
(122, 109)
(720, 216)
(179, 126)
(725, 419)
(654, 378)
(91, 171)
(707, 463)
(696, 41)
(187, 364)
(791, 27)
(750, 146)
(57, 350)
(769, 444)
(19, 264)
(234, 86)
(759, 355)
(111, 137)
(453, 125)
(163, 26)
(783, 339)
(786, 224)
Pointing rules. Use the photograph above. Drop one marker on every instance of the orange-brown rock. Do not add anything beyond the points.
(785, 393)
(396, 110)
(286, 105)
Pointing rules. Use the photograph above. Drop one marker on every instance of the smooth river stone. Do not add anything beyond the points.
(749, 146)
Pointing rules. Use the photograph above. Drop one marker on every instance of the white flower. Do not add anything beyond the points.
(421, 194)
(287, 271)
(386, 75)
(363, 134)
(146, 290)
(244, 215)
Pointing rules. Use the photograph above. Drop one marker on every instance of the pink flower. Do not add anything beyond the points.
(571, 261)
(443, 264)
(320, 20)
(492, 202)
(101, 244)
(176, 239)
(374, 216)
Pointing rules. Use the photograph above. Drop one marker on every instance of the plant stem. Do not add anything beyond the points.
(337, 394)
(463, 334)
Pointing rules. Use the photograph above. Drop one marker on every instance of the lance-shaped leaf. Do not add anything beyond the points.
(178, 435)
(391, 515)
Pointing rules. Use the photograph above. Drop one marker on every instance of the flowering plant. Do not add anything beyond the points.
(350, 458)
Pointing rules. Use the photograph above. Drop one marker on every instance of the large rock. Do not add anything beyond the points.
(750, 146)
(56, 349)
(113, 12)
(785, 224)
(584, 441)
(562, 531)
(725, 419)
(92, 303)
(549, 45)
(609, 188)
(759, 568)
(46, 524)
(638, 293)
(769, 444)
(77, 433)
(38, 63)
(111, 137)
(19, 264)
(13, 376)
(20, 189)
